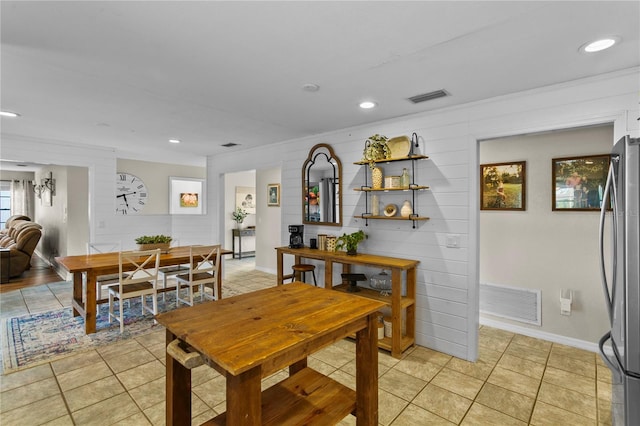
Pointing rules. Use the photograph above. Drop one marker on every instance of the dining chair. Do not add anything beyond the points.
(108, 279)
(168, 271)
(141, 281)
(204, 269)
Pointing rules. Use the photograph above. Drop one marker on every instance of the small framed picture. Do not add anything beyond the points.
(578, 182)
(503, 186)
(273, 194)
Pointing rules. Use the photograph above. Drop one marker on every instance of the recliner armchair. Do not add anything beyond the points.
(21, 239)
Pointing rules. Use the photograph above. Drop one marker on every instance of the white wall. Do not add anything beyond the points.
(447, 314)
(544, 249)
(268, 222)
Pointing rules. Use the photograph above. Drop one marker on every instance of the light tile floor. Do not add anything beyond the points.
(517, 380)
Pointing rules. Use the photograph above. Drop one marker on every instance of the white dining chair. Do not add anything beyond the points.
(108, 279)
(141, 281)
(170, 271)
(204, 270)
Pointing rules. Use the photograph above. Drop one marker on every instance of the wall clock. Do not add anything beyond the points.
(131, 194)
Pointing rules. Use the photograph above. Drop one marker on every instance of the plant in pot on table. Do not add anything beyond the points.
(152, 242)
(239, 216)
(350, 242)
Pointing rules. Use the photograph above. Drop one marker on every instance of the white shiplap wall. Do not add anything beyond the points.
(447, 301)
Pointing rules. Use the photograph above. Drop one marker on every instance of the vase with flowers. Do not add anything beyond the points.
(239, 216)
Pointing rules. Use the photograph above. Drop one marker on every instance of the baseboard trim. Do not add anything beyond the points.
(555, 338)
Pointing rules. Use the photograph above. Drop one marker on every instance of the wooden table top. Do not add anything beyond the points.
(268, 327)
(358, 259)
(102, 261)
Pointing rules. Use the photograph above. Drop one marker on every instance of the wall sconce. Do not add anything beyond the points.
(46, 185)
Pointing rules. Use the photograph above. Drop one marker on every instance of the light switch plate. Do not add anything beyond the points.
(453, 240)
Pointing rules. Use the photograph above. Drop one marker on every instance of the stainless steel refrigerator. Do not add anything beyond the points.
(621, 281)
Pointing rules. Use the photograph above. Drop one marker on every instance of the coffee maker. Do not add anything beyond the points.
(296, 239)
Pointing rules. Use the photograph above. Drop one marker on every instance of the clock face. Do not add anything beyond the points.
(131, 194)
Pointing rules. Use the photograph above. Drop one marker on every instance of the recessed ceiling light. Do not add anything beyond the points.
(368, 105)
(601, 44)
(9, 114)
(310, 87)
(174, 140)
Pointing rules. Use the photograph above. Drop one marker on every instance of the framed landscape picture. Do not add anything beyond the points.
(578, 182)
(503, 186)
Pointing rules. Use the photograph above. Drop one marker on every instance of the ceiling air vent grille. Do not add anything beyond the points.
(428, 96)
(230, 144)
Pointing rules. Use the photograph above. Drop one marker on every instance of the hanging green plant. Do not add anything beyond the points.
(376, 148)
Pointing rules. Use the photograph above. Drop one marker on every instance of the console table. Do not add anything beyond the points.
(399, 341)
(254, 335)
(239, 233)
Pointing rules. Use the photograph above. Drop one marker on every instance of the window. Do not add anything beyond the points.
(5, 201)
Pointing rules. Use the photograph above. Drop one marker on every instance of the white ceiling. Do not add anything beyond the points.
(131, 75)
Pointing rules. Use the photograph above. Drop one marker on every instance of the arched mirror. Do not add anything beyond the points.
(322, 187)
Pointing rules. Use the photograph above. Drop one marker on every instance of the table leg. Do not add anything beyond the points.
(396, 313)
(244, 397)
(218, 294)
(297, 366)
(233, 245)
(90, 305)
(328, 274)
(178, 389)
(77, 291)
(367, 373)
(280, 278)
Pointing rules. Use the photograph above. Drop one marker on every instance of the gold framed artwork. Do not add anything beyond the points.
(503, 186)
(273, 194)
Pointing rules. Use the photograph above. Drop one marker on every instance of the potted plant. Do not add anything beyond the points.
(376, 148)
(350, 242)
(151, 242)
(239, 215)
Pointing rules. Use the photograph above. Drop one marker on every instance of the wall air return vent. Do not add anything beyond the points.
(230, 144)
(514, 303)
(428, 96)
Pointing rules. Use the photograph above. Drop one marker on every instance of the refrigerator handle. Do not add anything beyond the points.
(613, 365)
(609, 194)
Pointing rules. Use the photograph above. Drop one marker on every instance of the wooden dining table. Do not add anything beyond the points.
(91, 266)
(253, 335)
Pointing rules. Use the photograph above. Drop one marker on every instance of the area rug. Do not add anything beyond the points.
(33, 339)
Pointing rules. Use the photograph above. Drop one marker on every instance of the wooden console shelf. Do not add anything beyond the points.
(398, 303)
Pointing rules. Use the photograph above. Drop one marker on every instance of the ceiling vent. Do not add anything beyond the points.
(428, 96)
(230, 144)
